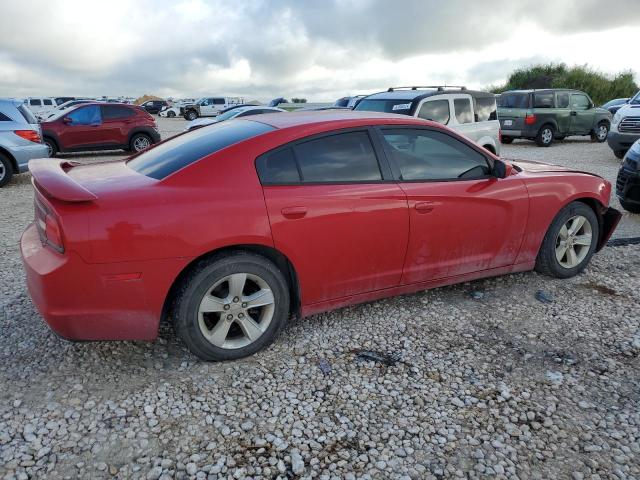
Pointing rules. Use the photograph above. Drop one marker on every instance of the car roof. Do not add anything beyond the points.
(419, 94)
(314, 117)
(544, 90)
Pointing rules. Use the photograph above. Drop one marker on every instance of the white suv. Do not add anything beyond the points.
(39, 104)
(470, 113)
(625, 127)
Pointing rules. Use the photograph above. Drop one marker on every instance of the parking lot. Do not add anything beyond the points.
(475, 380)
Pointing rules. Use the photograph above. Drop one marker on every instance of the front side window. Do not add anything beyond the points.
(344, 157)
(35, 102)
(485, 108)
(543, 100)
(562, 100)
(430, 155)
(89, 115)
(580, 102)
(436, 110)
(462, 107)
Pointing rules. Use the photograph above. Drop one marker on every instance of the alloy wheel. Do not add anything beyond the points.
(141, 143)
(49, 149)
(3, 171)
(547, 135)
(602, 132)
(574, 241)
(236, 310)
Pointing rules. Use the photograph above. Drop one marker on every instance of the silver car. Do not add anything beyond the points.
(20, 139)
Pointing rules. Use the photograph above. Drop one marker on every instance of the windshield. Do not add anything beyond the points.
(389, 106)
(230, 114)
(635, 100)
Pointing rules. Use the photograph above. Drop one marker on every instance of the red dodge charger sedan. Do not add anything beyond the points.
(231, 229)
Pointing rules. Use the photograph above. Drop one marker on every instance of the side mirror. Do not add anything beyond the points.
(66, 120)
(501, 169)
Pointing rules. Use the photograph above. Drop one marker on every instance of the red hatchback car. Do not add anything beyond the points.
(100, 126)
(232, 228)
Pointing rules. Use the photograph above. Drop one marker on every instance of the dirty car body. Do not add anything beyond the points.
(112, 241)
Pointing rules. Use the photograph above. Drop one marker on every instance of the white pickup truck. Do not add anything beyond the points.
(208, 107)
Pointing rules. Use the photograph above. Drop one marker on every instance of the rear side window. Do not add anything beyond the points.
(182, 150)
(388, 106)
(514, 100)
(562, 100)
(47, 101)
(4, 118)
(115, 112)
(462, 107)
(485, 108)
(35, 102)
(344, 157)
(436, 110)
(218, 101)
(543, 100)
(278, 167)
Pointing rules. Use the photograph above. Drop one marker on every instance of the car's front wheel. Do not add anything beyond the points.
(570, 242)
(171, 114)
(52, 148)
(600, 133)
(191, 115)
(231, 306)
(545, 136)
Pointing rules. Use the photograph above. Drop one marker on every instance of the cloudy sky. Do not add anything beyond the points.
(318, 49)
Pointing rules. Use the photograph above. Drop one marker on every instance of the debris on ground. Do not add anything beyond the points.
(544, 297)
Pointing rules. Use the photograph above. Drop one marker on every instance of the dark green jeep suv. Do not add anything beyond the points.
(545, 115)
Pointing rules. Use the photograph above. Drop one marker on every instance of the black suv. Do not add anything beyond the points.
(551, 114)
(628, 182)
(154, 106)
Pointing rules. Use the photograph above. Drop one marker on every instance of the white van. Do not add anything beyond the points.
(470, 113)
(39, 104)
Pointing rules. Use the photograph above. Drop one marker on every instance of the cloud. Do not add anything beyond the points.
(259, 48)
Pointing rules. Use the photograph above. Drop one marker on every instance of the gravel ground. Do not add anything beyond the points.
(483, 380)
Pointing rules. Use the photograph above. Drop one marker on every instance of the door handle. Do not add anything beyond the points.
(425, 207)
(294, 212)
(574, 113)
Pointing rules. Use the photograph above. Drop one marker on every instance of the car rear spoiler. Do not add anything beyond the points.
(51, 179)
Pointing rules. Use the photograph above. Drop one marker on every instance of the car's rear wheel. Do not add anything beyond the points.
(171, 114)
(6, 170)
(570, 242)
(191, 115)
(545, 136)
(52, 147)
(600, 133)
(630, 207)
(140, 142)
(231, 306)
(506, 140)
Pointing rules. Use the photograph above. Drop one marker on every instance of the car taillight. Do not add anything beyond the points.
(30, 135)
(49, 227)
(530, 119)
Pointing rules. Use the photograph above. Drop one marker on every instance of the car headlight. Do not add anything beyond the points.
(616, 118)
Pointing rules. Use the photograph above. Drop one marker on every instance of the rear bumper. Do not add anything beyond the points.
(81, 301)
(23, 154)
(621, 141)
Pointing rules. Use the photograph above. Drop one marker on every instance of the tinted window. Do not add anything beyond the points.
(4, 118)
(182, 150)
(562, 100)
(278, 167)
(114, 112)
(89, 115)
(436, 110)
(514, 100)
(485, 108)
(345, 157)
(462, 107)
(389, 106)
(580, 102)
(430, 155)
(47, 101)
(218, 101)
(543, 100)
(35, 102)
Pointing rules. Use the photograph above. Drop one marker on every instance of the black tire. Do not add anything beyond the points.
(139, 139)
(546, 262)
(6, 170)
(171, 114)
(506, 140)
(630, 207)
(201, 278)
(620, 153)
(600, 138)
(190, 115)
(545, 136)
(52, 146)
